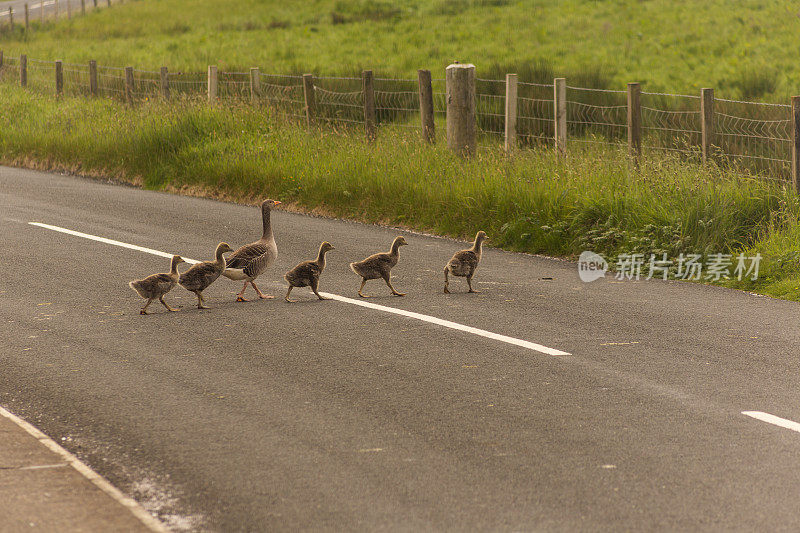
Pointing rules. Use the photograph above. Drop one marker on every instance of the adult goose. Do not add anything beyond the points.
(157, 285)
(251, 260)
(379, 266)
(464, 263)
(200, 276)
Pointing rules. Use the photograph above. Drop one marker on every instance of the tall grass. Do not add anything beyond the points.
(667, 46)
(534, 202)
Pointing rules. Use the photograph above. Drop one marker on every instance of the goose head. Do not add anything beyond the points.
(326, 247)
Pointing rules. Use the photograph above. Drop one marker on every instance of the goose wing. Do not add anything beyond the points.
(246, 254)
(200, 276)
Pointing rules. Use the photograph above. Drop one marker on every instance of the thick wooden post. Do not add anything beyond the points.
(23, 70)
(511, 112)
(560, 112)
(83, 7)
(129, 85)
(310, 98)
(1, 59)
(108, 3)
(57, 9)
(426, 105)
(796, 142)
(707, 118)
(59, 78)
(461, 124)
(95, 4)
(635, 122)
(212, 84)
(69, 9)
(93, 77)
(41, 13)
(255, 84)
(370, 120)
(164, 83)
(27, 18)
(11, 18)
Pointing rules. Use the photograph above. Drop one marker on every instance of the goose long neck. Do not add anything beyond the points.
(173, 267)
(395, 247)
(265, 215)
(218, 254)
(477, 247)
(321, 256)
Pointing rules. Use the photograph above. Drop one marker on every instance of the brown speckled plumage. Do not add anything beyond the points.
(379, 266)
(157, 285)
(307, 273)
(464, 263)
(201, 275)
(251, 260)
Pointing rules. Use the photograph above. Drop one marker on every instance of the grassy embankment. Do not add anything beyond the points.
(533, 202)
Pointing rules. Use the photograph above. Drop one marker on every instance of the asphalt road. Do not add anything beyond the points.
(49, 7)
(329, 416)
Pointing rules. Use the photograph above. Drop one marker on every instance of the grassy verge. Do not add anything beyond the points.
(534, 202)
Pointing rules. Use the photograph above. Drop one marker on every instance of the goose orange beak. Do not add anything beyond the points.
(277, 202)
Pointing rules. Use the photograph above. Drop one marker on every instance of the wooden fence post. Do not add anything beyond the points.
(1, 59)
(10, 18)
(212, 84)
(69, 9)
(23, 70)
(57, 9)
(83, 7)
(93, 77)
(707, 118)
(59, 78)
(426, 105)
(108, 2)
(461, 124)
(635, 123)
(129, 85)
(560, 112)
(310, 98)
(27, 18)
(41, 13)
(164, 83)
(255, 84)
(511, 113)
(370, 119)
(796, 142)
(95, 4)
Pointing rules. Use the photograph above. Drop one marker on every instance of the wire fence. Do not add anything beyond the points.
(753, 137)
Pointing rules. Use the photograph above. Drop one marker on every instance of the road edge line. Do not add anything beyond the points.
(132, 505)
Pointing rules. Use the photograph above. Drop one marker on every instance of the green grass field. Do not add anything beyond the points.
(534, 202)
(743, 48)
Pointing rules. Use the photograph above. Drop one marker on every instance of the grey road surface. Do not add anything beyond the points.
(48, 8)
(328, 416)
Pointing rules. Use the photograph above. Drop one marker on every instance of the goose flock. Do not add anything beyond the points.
(251, 260)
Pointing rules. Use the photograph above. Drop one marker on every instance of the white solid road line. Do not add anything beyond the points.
(772, 419)
(448, 324)
(137, 510)
(410, 314)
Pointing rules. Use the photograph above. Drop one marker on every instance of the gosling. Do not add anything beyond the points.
(465, 262)
(200, 276)
(379, 266)
(307, 273)
(157, 285)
